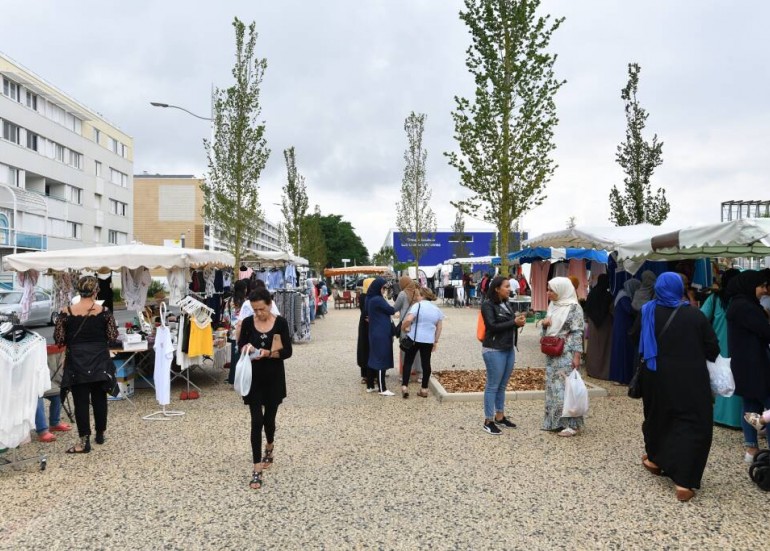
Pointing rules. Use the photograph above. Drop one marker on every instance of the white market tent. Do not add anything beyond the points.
(275, 257)
(748, 237)
(607, 238)
(116, 257)
(473, 260)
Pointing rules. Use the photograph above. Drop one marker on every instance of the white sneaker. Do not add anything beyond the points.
(387, 393)
(748, 458)
(370, 390)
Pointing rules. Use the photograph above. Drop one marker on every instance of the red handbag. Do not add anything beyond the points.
(552, 346)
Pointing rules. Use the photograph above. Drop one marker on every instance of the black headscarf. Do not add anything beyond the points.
(745, 284)
(722, 293)
(599, 299)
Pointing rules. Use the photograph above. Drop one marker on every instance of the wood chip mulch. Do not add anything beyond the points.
(474, 381)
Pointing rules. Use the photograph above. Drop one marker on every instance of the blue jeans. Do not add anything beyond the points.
(750, 439)
(54, 414)
(499, 368)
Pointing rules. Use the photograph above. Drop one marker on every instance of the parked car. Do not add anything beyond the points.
(353, 284)
(40, 312)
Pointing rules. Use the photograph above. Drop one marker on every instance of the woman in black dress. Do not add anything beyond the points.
(265, 337)
(676, 393)
(86, 329)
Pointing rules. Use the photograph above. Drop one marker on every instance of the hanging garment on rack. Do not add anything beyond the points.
(577, 268)
(539, 284)
(227, 279)
(275, 279)
(201, 341)
(290, 276)
(164, 353)
(24, 377)
(105, 290)
(134, 286)
(208, 278)
(219, 281)
(597, 269)
(182, 359)
(28, 280)
(177, 284)
(262, 275)
(62, 290)
(244, 273)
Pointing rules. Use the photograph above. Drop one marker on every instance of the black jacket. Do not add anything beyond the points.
(501, 330)
(748, 335)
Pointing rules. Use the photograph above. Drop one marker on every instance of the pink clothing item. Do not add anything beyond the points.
(577, 268)
(538, 283)
(28, 280)
(245, 274)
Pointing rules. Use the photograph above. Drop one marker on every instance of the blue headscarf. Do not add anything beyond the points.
(375, 287)
(669, 290)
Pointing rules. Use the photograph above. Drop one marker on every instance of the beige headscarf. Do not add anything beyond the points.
(410, 288)
(558, 310)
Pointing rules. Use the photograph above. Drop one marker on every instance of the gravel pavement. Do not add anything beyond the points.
(359, 471)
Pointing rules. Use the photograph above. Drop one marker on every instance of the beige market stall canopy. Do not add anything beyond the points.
(116, 257)
(748, 237)
(352, 270)
(274, 257)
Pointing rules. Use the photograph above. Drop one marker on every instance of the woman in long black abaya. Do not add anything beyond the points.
(678, 410)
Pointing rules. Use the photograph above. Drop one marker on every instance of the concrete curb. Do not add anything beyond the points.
(444, 396)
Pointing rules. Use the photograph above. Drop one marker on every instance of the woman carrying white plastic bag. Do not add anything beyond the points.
(721, 377)
(242, 379)
(575, 396)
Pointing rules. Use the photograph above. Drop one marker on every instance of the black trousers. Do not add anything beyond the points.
(425, 349)
(371, 374)
(92, 393)
(262, 416)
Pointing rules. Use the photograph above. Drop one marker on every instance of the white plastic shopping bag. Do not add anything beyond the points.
(242, 379)
(575, 396)
(721, 377)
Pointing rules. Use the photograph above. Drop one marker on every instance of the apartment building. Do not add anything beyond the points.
(65, 171)
(168, 209)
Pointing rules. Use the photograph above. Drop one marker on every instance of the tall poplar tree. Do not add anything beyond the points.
(505, 134)
(414, 218)
(460, 248)
(294, 202)
(639, 159)
(238, 152)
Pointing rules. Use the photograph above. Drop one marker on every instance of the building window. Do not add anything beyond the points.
(112, 145)
(75, 195)
(454, 238)
(97, 135)
(57, 227)
(117, 237)
(117, 207)
(56, 113)
(59, 152)
(98, 168)
(118, 178)
(75, 159)
(11, 132)
(31, 100)
(123, 150)
(32, 140)
(97, 234)
(14, 176)
(74, 230)
(11, 89)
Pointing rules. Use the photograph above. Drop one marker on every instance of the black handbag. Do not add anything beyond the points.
(635, 386)
(406, 342)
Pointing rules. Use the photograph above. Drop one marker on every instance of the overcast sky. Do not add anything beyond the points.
(343, 74)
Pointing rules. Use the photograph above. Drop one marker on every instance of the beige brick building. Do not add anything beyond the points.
(166, 207)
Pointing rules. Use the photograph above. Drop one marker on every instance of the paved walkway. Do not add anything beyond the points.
(358, 471)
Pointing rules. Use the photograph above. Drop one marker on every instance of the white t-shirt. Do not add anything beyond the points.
(247, 310)
(425, 328)
(765, 302)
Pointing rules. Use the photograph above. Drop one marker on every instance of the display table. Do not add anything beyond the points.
(520, 303)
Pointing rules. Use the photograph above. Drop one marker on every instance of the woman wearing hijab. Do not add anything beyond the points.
(676, 340)
(748, 336)
(564, 319)
(624, 349)
(362, 348)
(598, 310)
(727, 411)
(646, 291)
(407, 296)
(380, 336)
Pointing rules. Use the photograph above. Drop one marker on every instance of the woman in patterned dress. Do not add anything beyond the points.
(563, 319)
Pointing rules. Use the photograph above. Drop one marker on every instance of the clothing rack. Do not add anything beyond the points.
(163, 414)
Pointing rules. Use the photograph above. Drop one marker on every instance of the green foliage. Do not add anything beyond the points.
(459, 249)
(414, 217)
(386, 256)
(239, 150)
(505, 134)
(294, 201)
(156, 287)
(639, 159)
(341, 241)
(313, 242)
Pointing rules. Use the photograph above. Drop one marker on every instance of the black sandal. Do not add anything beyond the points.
(256, 478)
(100, 438)
(85, 446)
(267, 458)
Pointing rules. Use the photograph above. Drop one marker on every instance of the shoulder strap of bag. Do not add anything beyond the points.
(668, 321)
(416, 321)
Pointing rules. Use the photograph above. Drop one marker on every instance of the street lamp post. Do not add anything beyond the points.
(181, 239)
(169, 106)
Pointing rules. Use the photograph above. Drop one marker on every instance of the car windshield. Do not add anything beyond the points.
(10, 298)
